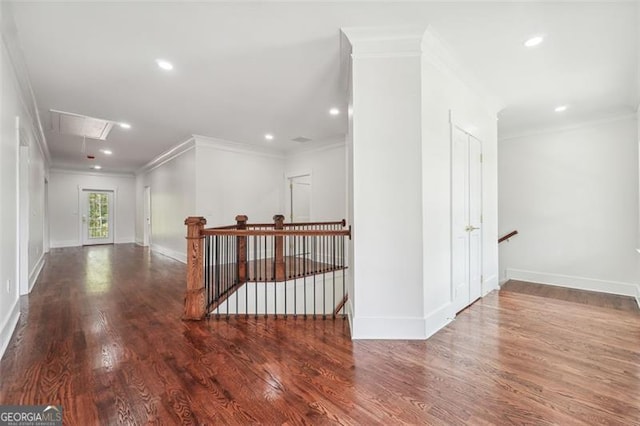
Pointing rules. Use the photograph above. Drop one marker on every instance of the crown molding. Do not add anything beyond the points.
(225, 145)
(68, 171)
(326, 145)
(568, 128)
(437, 52)
(168, 155)
(11, 43)
(384, 42)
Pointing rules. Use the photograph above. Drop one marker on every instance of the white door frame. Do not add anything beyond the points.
(287, 191)
(146, 213)
(22, 209)
(454, 126)
(81, 189)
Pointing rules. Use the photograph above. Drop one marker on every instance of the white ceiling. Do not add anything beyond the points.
(243, 69)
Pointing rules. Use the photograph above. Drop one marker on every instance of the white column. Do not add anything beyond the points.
(385, 178)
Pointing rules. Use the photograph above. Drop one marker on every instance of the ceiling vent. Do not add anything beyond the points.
(301, 139)
(80, 125)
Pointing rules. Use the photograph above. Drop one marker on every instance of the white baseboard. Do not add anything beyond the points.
(68, 243)
(176, 255)
(392, 328)
(349, 309)
(490, 284)
(503, 281)
(129, 240)
(580, 283)
(638, 295)
(35, 273)
(438, 319)
(9, 326)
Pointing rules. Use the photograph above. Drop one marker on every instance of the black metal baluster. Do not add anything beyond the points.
(217, 274)
(324, 282)
(333, 268)
(285, 245)
(246, 278)
(226, 271)
(275, 284)
(315, 242)
(255, 272)
(265, 276)
(344, 282)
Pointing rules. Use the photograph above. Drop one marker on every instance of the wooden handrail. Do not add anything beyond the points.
(225, 227)
(342, 222)
(276, 232)
(212, 279)
(507, 236)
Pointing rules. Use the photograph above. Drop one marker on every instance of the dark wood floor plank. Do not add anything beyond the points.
(101, 334)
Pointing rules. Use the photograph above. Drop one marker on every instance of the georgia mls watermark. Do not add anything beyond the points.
(30, 415)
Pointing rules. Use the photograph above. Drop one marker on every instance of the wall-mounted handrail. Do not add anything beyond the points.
(507, 236)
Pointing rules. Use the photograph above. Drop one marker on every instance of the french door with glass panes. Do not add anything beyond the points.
(97, 217)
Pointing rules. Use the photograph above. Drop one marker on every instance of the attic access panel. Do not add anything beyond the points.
(80, 125)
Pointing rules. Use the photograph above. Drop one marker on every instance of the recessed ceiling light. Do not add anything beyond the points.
(334, 111)
(106, 151)
(124, 125)
(165, 65)
(561, 108)
(268, 137)
(534, 41)
(97, 167)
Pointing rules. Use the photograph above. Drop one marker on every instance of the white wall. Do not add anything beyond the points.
(232, 181)
(65, 209)
(328, 180)
(446, 93)
(573, 197)
(36, 210)
(173, 199)
(405, 85)
(16, 100)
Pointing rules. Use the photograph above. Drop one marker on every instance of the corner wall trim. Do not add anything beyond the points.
(396, 328)
(175, 255)
(168, 155)
(62, 244)
(35, 273)
(438, 319)
(580, 283)
(490, 284)
(7, 329)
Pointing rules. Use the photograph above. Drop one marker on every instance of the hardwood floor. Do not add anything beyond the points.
(611, 301)
(101, 334)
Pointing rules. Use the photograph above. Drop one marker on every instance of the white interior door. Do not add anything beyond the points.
(466, 203)
(147, 216)
(300, 197)
(97, 217)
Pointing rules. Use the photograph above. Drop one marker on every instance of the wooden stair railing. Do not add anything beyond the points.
(277, 260)
(507, 236)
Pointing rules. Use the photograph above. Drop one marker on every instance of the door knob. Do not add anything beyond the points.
(470, 228)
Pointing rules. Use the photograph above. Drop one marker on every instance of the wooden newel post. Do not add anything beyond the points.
(278, 221)
(241, 255)
(194, 301)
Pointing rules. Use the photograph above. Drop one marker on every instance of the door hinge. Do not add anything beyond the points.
(481, 220)
(481, 278)
(481, 158)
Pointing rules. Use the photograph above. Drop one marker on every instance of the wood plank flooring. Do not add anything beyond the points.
(101, 335)
(592, 298)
